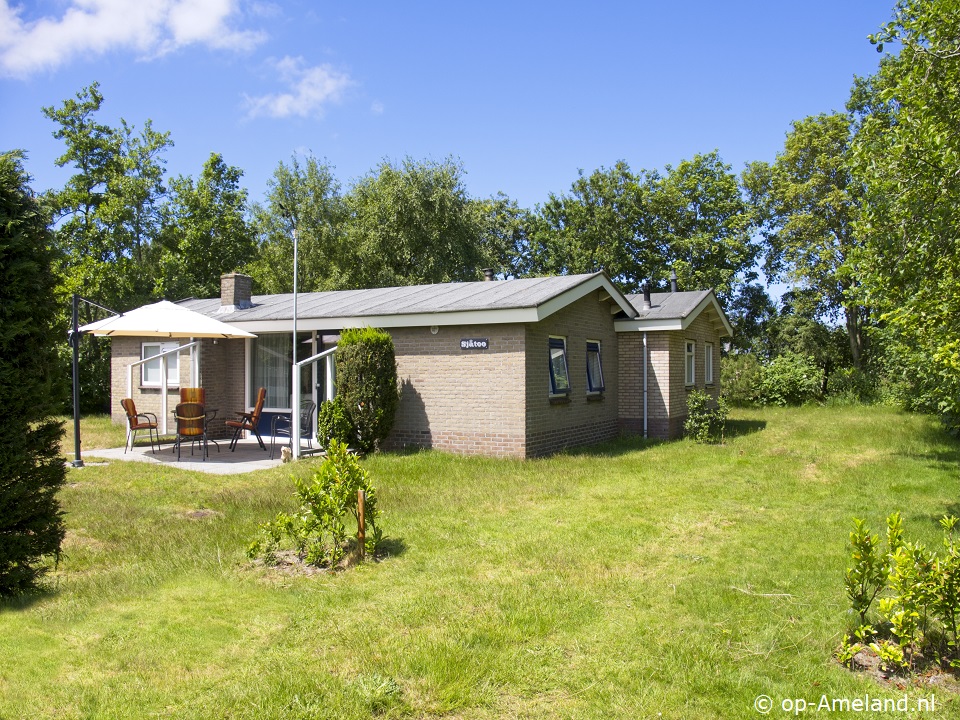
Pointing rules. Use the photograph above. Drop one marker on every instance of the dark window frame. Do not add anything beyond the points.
(558, 343)
(593, 346)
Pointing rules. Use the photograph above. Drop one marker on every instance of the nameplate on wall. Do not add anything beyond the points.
(474, 343)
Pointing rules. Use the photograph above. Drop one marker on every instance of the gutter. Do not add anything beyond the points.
(645, 363)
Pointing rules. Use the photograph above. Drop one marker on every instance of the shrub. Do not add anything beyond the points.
(850, 385)
(740, 377)
(790, 379)
(31, 469)
(333, 423)
(705, 423)
(367, 384)
(919, 590)
(316, 531)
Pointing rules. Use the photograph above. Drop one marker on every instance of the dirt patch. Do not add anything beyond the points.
(77, 539)
(203, 514)
(867, 662)
(289, 564)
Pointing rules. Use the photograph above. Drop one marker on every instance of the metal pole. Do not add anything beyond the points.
(75, 341)
(295, 370)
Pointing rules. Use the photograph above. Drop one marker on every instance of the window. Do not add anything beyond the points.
(150, 372)
(708, 363)
(272, 364)
(690, 365)
(559, 377)
(594, 367)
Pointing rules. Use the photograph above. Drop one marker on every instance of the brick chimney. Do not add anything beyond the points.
(236, 292)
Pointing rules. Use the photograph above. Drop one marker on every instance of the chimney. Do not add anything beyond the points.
(488, 274)
(646, 296)
(673, 281)
(236, 292)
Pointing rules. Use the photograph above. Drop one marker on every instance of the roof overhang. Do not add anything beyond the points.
(710, 304)
(597, 282)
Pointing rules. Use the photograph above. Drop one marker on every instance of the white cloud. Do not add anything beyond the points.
(310, 90)
(147, 27)
(377, 108)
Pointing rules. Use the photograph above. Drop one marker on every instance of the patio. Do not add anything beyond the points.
(246, 458)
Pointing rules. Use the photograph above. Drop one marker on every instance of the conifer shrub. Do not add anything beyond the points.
(31, 469)
(367, 384)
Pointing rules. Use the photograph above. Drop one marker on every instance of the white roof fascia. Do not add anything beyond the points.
(585, 288)
(646, 325)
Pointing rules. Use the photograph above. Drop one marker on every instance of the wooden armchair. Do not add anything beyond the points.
(191, 426)
(248, 421)
(193, 395)
(135, 424)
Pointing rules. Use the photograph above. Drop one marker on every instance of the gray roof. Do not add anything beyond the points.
(667, 305)
(440, 298)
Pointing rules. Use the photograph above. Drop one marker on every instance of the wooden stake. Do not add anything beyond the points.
(361, 525)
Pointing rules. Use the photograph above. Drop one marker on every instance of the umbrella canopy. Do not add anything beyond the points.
(164, 320)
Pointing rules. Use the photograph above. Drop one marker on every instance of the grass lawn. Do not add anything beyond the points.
(631, 581)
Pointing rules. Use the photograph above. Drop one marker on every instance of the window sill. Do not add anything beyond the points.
(159, 388)
(559, 399)
(595, 396)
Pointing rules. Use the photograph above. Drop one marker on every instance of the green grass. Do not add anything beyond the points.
(633, 580)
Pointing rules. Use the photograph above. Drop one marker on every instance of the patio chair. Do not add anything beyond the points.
(248, 421)
(135, 424)
(191, 426)
(194, 395)
(282, 425)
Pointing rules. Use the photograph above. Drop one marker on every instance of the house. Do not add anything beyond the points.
(518, 368)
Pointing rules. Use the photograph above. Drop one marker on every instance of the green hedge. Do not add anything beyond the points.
(367, 384)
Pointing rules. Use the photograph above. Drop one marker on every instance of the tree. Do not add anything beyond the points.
(413, 224)
(907, 154)
(750, 311)
(504, 235)
(205, 232)
(704, 225)
(810, 203)
(602, 224)
(639, 226)
(106, 218)
(31, 469)
(303, 196)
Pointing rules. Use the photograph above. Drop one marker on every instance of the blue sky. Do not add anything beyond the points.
(524, 93)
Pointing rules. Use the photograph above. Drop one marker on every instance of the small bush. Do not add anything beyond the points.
(740, 377)
(706, 417)
(367, 384)
(850, 385)
(919, 597)
(316, 531)
(333, 423)
(790, 379)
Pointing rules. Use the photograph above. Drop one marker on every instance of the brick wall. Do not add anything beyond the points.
(658, 383)
(222, 375)
(466, 401)
(667, 390)
(701, 331)
(580, 419)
